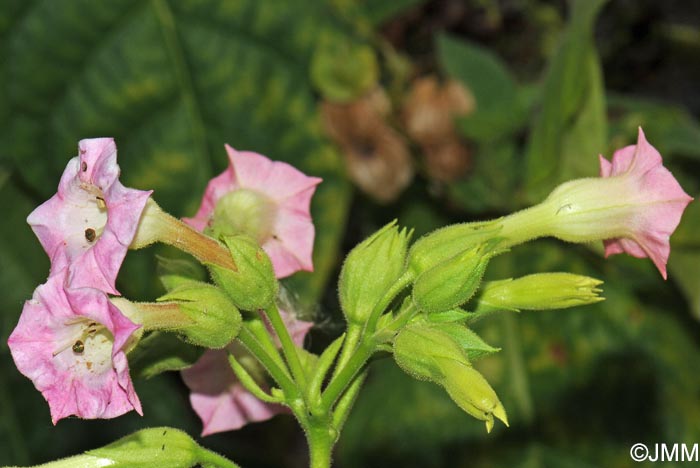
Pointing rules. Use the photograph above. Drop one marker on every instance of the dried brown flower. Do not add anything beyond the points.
(376, 155)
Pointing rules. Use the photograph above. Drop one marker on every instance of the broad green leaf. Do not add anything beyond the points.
(670, 129)
(685, 255)
(379, 12)
(492, 183)
(494, 89)
(570, 130)
(24, 263)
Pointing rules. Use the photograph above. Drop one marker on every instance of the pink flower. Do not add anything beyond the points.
(266, 200)
(89, 224)
(660, 202)
(70, 343)
(219, 399)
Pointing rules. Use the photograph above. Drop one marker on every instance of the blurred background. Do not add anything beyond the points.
(429, 111)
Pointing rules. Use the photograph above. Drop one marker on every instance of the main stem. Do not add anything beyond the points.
(321, 442)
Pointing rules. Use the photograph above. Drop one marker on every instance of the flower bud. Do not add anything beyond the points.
(252, 284)
(157, 447)
(213, 319)
(369, 271)
(470, 390)
(417, 347)
(540, 291)
(452, 282)
(445, 243)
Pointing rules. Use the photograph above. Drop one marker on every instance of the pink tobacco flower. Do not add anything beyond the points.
(633, 207)
(70, 343)
(88, 225)
(268, 201)
(659, 197)
(219, 399)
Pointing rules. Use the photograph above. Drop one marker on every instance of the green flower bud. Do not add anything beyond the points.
(447, 242)
(470, 390)
(540, 291)
(370, 269)
(452, 282)
(417, 348)
(157, 447)
(214, 321)
(252, 284)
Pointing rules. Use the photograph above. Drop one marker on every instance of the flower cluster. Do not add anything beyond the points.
(70, 339)
(253, 227)
(73, 336)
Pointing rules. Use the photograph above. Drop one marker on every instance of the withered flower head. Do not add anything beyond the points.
(376, 155)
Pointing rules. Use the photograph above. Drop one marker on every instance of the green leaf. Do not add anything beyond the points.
(161, 352)
(492, 183)
(670, 128)
(685, 255)
(379, 12)
(486, 76)
(570, 130)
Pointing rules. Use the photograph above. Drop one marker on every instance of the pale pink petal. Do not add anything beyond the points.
(93, 383)
(605, 166)
(219, 400)
(657, 203)
(277, 179)
(291, 248)
(290, 244)
(216, 188)
(90, 222)
(217, 397)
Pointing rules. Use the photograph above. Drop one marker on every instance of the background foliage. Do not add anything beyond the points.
(555, 83)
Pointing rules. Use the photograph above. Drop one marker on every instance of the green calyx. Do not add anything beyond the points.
(445, 243)
(369, 271)
(252, 285)
(453, 282)
(214, 321)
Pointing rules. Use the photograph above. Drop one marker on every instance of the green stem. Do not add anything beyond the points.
(321, 439)
(291, 352)
(338, 384)
(258, 328)
(524, 225)
(278, 373)
(353, 335)
(347, 401)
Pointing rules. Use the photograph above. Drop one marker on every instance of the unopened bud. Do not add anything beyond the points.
(157, 447)
(417, 347)
(370, 269)
(452, 282)
(214, 319)
(540, 291)
(470, 390)
(447, 242)
(252, 284)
